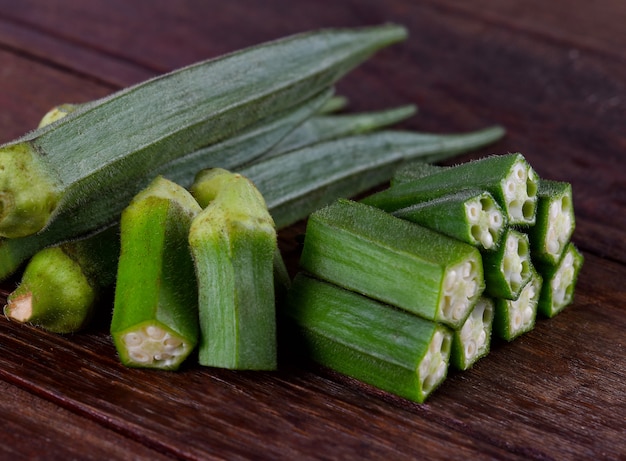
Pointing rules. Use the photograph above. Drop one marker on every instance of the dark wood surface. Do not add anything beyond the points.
(553, 73)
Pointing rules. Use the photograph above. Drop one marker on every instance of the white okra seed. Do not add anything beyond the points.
(155, 332)
(133, 339)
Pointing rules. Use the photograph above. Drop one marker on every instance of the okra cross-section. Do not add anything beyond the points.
(367, 250)
(559, 281)
(473, 340)
(155, 312)
(555, 221)
(378, 344)
(508, 269)
(509, 178)
(471, 216)
(513, 318)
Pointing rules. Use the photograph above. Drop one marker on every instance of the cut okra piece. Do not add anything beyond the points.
(559, 281)
(155, 313)
(414, 170)
(509, 267)
(367, 250)
(471, 216)
(513, 318)
(62, 285)
(375, 343)
(509, 178)
(472, 341)
(233, 242)
(555, 221)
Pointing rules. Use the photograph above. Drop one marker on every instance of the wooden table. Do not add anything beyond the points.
(552, 72)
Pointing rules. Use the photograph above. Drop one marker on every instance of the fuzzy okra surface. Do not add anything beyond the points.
(372, 252)
(155, 314)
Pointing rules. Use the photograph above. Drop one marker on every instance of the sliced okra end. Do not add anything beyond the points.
(559, 282)
(433, 367)
(473, 340)
(520, 193)
(486, 220)
(152, 345)
(516, 317)
(462, 285)
(508, 270)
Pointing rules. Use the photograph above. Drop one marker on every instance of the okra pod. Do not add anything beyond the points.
(367, 250)
(472, 341)
(559, 281)
(513, 318)
(109, 146)
(471, 216)
(327, 127)
(509, 178)
(385, 347)
(509, 267)
(233, 244)
(62, 285)
(414, 170)
(299, 182)
(555, 221)
(155, 314)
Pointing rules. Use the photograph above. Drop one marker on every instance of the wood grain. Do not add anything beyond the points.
(553, 73)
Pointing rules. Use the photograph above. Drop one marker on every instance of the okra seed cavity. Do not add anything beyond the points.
(520, 189)
(472, 334)
(433, 367)
(523, 309)
(559, 225)
(153, 345)
(461, 286)
(486, 221)
(562, 281)
(516, 264)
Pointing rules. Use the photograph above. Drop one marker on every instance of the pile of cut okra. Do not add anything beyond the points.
(171, 193)
(415, 279)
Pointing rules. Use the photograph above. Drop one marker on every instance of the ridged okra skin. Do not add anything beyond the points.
(61, 286)
(355, 335)
(559, 281)
(299, 182)
(414, 170)
(509, 178)
(472, 341)
(512, 318)
(119, 139)
(555, 221)
(367, 250)
(233, 244)
(155, 313)
(509, 268)
(471, 216)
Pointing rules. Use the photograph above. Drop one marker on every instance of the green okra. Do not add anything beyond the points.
(107, 147)
(513, 318)
(385, 347)
(559, 281)
(62, 285)
(155, 314)
(232, 152)
(555, 221)
(509, 267)
(472, 216)
(472, 341)
(233, 243)
(509, 178)
(414, 170)
(327, 127)
(367, 250)
(334, 104)
(299, 182)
